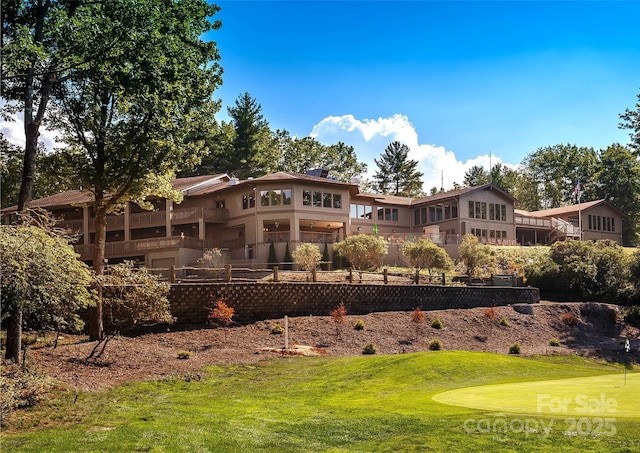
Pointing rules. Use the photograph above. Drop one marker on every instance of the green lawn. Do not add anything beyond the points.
(363, 404)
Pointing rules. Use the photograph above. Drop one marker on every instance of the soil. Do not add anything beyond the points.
(599, 332)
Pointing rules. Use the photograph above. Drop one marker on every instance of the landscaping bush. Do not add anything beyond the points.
(632, 315)
(514, 348)
(504, 322)
(569, 319)
(277, 330)
(490, 313)
(183, 355)
(554, 342)
(359, 325)
(436, 345)
(369, 348)
(437, 323)
(20, 388)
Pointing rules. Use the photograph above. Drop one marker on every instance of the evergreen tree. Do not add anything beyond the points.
(273, 259)
(325, 258)
(475, 176)
(398, 175)
(251, 132)
(631, 120)
(288, 259)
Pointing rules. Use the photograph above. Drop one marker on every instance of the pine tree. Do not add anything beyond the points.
(398, 175)
(251, 129)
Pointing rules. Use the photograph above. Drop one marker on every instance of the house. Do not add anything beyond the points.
(593, 220)
(244, 217)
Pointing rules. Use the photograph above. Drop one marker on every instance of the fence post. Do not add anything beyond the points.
(350, 275)
(227, 273)
(385, 274)
(417, 277)
(444, 279)
(314, 275)
(275, 274)
(172, 273)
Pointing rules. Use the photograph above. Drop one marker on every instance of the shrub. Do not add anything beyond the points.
(632, 315)
(277, 330)
(221, 313)
(288, 259)
(417, 316)
(272, 260)
(569, 319)
(20, 388)
(504, 322)
(212, 258)
(359, 325)
(436, 345)
(325, 258)
(437, 323)
(554, 342)
(183, 355)
(369, 348)
(514, 348)
(490, 313)
(339, 314)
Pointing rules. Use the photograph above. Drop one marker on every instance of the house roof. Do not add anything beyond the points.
(75, 197)
(276, 177)
(457, 193)
(386, 199)
(572, 209)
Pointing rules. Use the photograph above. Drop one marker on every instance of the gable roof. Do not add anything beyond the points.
(76, 197)
(277, 177)
(459, 192)
(573, 209)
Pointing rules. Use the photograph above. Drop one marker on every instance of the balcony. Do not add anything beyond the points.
(533, 222)
(155, 218)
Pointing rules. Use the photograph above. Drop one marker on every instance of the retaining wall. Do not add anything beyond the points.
(255, 301)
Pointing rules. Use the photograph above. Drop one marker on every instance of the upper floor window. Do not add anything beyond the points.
(477, 209)
(275, 197)
(435, 213)
(249, 200)
(366, 212)
(321, 199)
(498, 212)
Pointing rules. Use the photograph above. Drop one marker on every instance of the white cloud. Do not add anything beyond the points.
(13, 131)
(370, 137)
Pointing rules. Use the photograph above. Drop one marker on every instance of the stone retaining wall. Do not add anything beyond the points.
(255, 301)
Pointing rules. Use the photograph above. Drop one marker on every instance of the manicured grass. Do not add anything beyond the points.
(610, 395)
(372, 403)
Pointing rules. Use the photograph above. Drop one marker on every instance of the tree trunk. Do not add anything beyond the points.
(14, 336)
(95, 325)
(29, 165)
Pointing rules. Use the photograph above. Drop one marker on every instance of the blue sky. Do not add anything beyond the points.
(455, 81)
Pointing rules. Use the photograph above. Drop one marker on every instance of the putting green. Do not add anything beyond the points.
(595, 396)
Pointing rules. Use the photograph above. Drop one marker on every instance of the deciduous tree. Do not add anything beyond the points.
(44, 284)
(473, 254)
(129, 121)
(425, 254)
(362, 250)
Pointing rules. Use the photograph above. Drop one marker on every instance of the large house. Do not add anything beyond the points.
(244, 217)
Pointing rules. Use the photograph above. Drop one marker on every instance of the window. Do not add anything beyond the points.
(264, 198)
(249, 200)
(337, 201)
(276, 197)
(286, 197)
(326, 200)
(477, 210)
(306, 198)
(317, 199)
